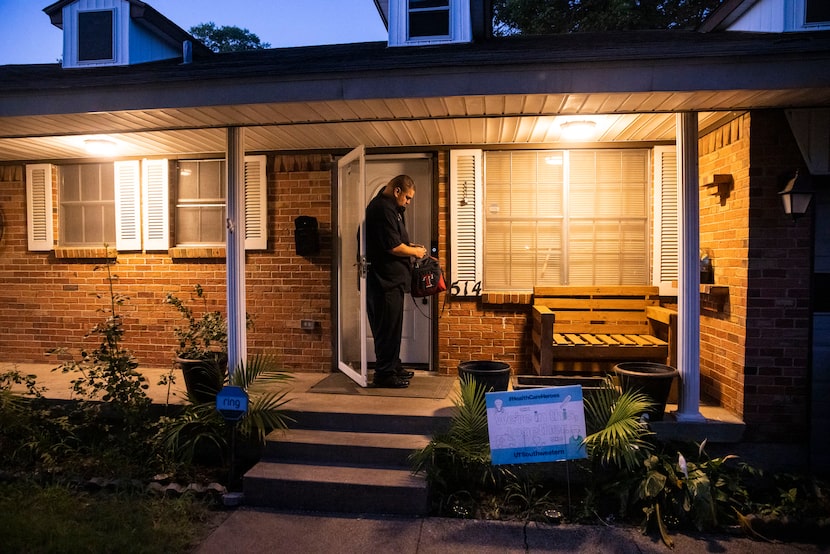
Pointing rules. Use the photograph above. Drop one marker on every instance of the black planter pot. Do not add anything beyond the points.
(203, 378)
(493, 376)
(650, 378)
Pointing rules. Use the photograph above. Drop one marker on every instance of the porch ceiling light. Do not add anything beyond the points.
(796, 196)
(577, 130)
(99, 147)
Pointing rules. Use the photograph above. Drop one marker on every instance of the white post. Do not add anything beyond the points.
(235, 249)
(688, 301)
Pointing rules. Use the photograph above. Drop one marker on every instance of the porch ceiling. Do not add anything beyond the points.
(517, 120)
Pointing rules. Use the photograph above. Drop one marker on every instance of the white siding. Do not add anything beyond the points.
(775, 16)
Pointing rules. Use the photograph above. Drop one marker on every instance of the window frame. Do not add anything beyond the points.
(567, 221)
(65, 203)
(85, 36)
(199, 203)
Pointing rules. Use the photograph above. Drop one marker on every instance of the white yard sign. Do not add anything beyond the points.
(536, 425)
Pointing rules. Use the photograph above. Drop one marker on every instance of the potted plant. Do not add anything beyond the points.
(202, 351)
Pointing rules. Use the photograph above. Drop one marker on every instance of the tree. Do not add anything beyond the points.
(227, 38)
(533, 17)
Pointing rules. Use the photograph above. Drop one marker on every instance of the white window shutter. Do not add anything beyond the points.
(39, 207)
(127, 205)
(466, 222)
(155, 178)
(666, 231)
(256, 203)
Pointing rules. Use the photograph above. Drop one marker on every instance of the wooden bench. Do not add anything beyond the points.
(586, 330)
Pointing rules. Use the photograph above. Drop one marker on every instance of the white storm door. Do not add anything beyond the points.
(352, 325)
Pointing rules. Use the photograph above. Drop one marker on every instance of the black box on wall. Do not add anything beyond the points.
(306, 236)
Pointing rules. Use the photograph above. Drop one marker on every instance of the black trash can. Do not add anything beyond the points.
(650, 378)
(493, 376)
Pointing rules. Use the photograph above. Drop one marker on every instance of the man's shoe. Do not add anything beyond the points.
(404, 373)
(390, 382)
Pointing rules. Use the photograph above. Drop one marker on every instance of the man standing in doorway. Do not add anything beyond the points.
(388, 252)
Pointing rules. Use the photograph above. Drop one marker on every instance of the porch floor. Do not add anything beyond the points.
(719, 425)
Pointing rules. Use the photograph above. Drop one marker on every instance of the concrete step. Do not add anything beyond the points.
(343, 447)
(365, 422)
(336, 488)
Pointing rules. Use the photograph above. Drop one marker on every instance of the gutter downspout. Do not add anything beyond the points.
(688, 301)
(235, 249)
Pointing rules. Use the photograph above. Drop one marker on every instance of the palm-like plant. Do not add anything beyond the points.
(201, 426)
(457, 461)
(616, 433)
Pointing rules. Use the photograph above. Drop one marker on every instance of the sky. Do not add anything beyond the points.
(28, 37)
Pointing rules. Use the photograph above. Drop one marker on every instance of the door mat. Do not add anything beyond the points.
(423, 385)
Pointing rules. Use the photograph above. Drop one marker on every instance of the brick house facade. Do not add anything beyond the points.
(754, 343)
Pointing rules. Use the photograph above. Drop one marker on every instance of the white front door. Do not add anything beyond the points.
(416, 342)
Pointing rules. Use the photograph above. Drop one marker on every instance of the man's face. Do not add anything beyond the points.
(404, 197)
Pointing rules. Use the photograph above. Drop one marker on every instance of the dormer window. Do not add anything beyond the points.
(417, 22)
(117, 32)
(95, 36)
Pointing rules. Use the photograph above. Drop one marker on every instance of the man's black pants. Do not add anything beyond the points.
(385, 311)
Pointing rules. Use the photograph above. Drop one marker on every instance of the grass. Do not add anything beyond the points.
(41, 519)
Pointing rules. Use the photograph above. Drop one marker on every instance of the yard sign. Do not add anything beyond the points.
(536, 425)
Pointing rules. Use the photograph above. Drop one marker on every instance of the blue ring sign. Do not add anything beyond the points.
(232, 403)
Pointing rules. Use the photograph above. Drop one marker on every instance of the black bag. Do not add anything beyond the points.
(427, 278)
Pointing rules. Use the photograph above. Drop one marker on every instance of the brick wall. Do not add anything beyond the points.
(778, 305)
(755, 349)
(724, 233)
(47, 302)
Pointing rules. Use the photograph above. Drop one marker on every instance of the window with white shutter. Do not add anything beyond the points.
(666, 231)
(156, 210)
(256, 203)
(127, 205)
(39, 207)
(201, 203)
(466, 222)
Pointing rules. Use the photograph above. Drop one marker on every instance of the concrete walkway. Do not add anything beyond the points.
(256, 530)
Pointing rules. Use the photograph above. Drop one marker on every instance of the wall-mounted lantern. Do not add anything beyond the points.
(796, 196)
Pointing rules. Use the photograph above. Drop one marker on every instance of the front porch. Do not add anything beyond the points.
(719, 426)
